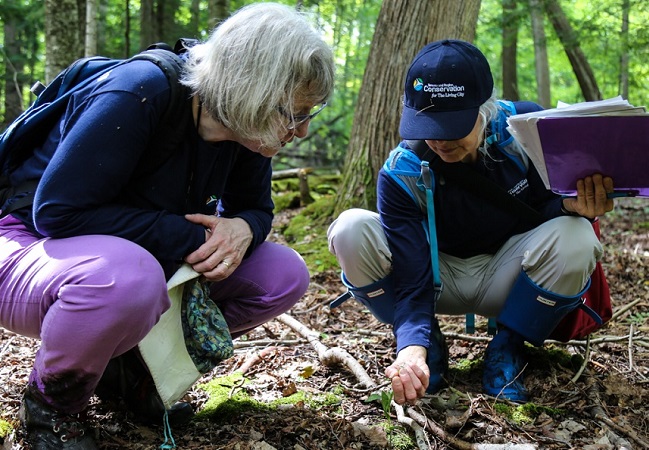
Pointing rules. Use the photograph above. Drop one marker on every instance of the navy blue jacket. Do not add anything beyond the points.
(102, 172)
(466, 226)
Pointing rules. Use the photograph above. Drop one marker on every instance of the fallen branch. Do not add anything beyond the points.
(326, 355)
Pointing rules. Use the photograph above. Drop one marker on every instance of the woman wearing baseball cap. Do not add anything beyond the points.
(488, 261)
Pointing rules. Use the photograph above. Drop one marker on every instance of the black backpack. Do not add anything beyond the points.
(31, 128)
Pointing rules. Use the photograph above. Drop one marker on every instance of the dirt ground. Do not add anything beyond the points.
(606, 407)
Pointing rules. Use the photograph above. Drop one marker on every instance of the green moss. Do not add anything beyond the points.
(468, 365)
(5, 428)
(229, 398)
(312, 401)
(398, 438)
(524, 414)
(307, 233)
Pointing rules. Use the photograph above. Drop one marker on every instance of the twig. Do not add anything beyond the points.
(631, 348)
(6, 347)
(254, 359)
(420, 435)
(585, 362)
(328, 356)
(237, 344)
(625, 308)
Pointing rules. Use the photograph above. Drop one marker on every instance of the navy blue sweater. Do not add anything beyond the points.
(102, 173)
(466, 226)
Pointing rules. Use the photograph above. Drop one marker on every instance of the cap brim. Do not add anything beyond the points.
(442, 126)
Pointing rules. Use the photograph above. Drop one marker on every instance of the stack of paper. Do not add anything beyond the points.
(570, 142)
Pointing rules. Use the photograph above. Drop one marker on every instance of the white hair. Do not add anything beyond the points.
(265, 57)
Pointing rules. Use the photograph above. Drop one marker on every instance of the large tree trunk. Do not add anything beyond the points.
(62, 40)
(580, 66)
(540, 55)
(402, 29)
(510, 41)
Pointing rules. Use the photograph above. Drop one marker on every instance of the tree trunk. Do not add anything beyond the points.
(510, 41)
(195, 20)
(62, 40)
(402, 29)
(540, 55)
(14, 65)
(580, 66)
(218, 11)
(91, 28)
(147, 25)
(624, 51)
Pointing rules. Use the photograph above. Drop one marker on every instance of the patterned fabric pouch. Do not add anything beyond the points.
(206, 333)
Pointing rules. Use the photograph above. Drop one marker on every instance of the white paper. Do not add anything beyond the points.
(523, 127)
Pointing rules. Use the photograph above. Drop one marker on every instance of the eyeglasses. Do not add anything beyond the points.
(299, 119)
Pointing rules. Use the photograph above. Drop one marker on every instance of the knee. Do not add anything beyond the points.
(350, 231)
(577, 241)
(293, 280)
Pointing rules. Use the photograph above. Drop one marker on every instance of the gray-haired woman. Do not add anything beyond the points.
(84, 269)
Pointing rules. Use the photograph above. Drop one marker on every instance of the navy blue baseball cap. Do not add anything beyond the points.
(446, 84)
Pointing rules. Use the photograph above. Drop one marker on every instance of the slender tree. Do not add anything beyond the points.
(579, 62)
(510, 42)
(218, 10)
(624, 51)
(403, 27)
(541, 65)
(13, 101)
(91, 28)
(148, 32)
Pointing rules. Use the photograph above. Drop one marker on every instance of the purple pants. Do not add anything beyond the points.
(92, 298)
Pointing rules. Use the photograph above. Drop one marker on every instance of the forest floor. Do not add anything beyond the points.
(323, 405)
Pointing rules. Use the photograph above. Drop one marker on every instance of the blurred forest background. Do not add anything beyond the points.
(540, 50)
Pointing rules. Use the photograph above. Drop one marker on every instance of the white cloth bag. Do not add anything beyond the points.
(164, 350)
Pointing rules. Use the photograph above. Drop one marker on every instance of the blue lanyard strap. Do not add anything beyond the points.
(427, 180)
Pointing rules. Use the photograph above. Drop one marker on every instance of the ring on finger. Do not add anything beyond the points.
(226, 264)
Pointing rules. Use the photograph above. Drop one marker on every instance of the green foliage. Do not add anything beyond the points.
(348, 26)
(638, 318)
(384, 398)
(5, 428)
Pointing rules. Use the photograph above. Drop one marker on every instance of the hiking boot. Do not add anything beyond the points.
(49, 429)
(503, 364)
(437, 359)
(127, 381)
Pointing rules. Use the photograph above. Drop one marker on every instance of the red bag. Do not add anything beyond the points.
(579, 323)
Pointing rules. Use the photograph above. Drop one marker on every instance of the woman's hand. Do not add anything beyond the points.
(592, 197)
(226, 243)
(409, 375)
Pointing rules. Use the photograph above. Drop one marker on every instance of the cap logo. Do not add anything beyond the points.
(445, 90)
(418, 84)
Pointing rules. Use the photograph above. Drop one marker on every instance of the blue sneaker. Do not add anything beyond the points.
(503, 363)
(437, 360)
